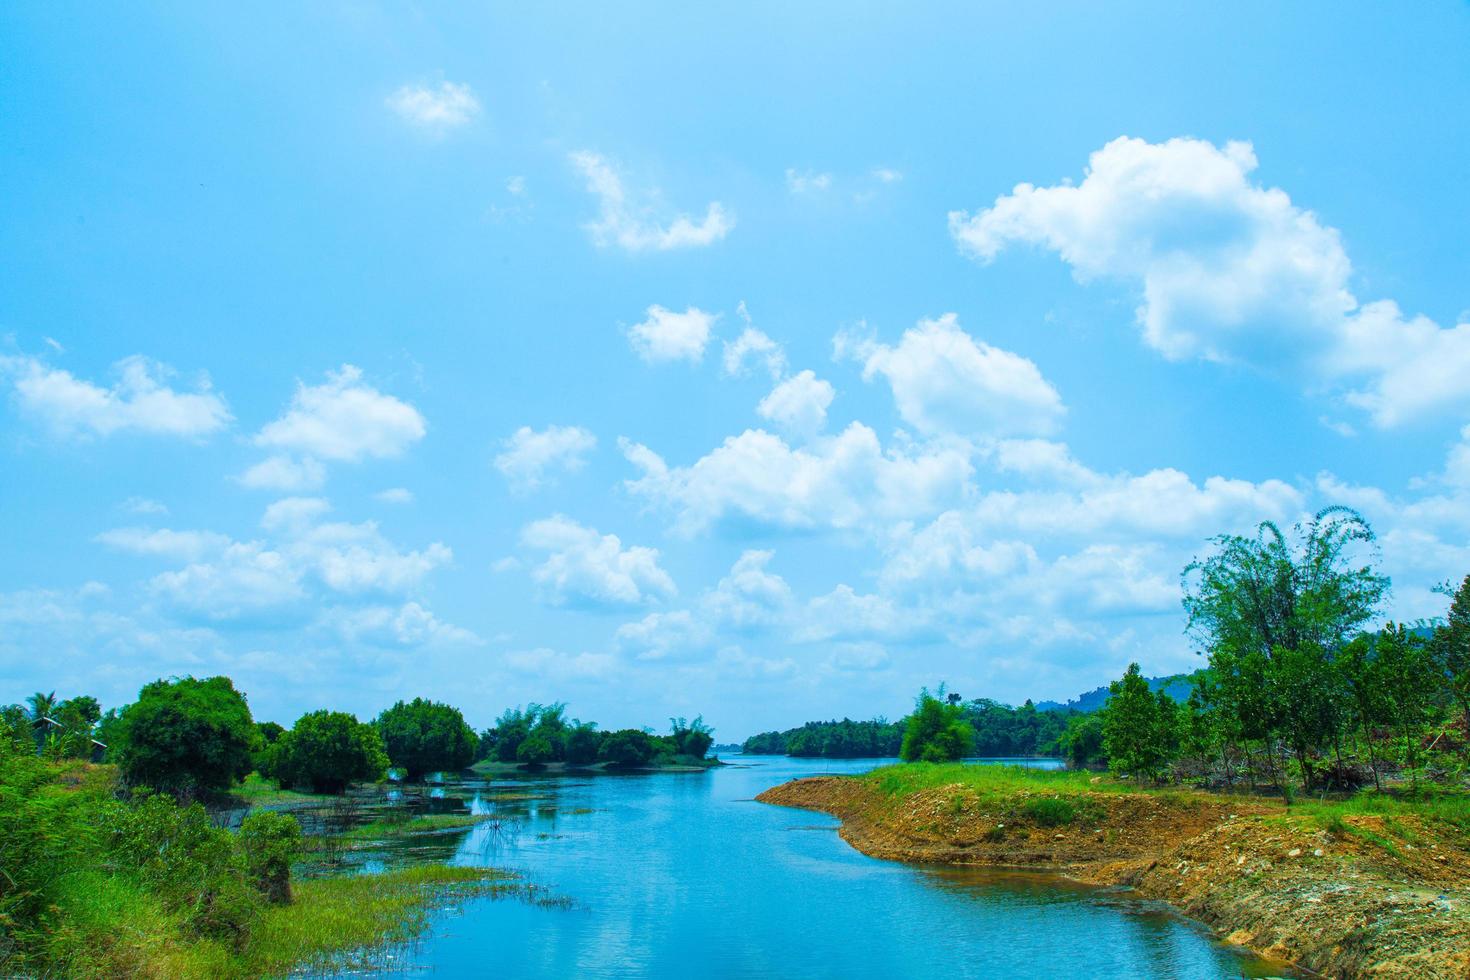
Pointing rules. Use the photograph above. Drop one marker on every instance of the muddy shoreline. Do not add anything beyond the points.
(1284, 888)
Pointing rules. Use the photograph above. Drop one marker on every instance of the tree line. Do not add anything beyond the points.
(195, 737)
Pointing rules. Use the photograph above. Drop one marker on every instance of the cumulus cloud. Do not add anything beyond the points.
(633, 227)
(753, 345)
(344, 419)
(450, 105)
(163, 542)
(750, 596)
(583, 567)
(798, 405)
(408, 625)
(285, 474)
(838, 482)
(139, 400)
(664, 635)
(946, 382)
(531, 459)
(669, 336)
(1229, 270)
(394, 495)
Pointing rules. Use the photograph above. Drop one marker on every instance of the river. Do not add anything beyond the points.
(685, 876)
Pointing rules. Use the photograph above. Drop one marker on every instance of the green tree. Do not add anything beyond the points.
(328, 751)
(583, 741)
(536, 749)
(187, 735)
(425, 736)
(1082, 742)
(269, 842)
(691, 738)
(1132, 729)
(937, 730)
(628, 747)
(1272, 611)
(1451, 649)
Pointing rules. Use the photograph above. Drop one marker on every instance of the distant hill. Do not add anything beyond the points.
(1175, 685)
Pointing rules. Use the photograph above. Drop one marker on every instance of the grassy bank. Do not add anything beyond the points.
(427, 824)
(1374, 884)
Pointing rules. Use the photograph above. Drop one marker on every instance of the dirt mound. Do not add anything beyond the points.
(1345, 903)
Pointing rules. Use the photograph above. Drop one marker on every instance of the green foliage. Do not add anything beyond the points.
(691, 739)
(937, 730)
(423, 736)
(536, 749)
(270, 842)
(328, 751)
(1135, 730)
(582, 744)
(845, 739)
(628, 748)
(1450, 649)
(1081, 744)
(1049, 811)
(186, 736)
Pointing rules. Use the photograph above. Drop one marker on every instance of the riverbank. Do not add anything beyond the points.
(1367, 888)
(490, 767)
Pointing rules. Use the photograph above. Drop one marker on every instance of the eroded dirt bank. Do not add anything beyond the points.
(1360, 900)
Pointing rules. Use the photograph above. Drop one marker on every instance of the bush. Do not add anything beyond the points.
(424, 736)
(269, 843)
(187, 735)
(627, 748)
(536, 750)
(328, 750)
(1050, 811)
(937, 731)
(582, 745)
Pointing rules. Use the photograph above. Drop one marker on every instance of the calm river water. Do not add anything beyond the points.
(685, 876)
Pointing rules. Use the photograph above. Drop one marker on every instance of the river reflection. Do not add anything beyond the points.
(684, 875)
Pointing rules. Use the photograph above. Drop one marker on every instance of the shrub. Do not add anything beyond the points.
(628, 747)
(187, 735)
(582, 745)
(1050, 811)
(328, 750)
(426, 736)
(269, 842)
(536, 750)
(937, 731)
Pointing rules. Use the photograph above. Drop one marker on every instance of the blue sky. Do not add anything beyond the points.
(761, 362)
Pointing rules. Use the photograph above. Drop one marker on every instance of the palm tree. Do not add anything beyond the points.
(42, 705)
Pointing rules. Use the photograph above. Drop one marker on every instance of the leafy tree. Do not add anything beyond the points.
(186, 735)
(1082, 742)
(1272, 611)
(1451, 649)
(583, 741)
(937, 730)
(691, 738)
(628, 747)
(1132, 731)
(511, 729)
(328, 750)
(425, 736)
(536, 749)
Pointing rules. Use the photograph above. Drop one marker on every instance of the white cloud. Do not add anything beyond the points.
(515, 186)
(631, 227)
(246, 582)
(531, 459)
(798, 405)
(749, 597)
(409, 625)
(394, 495)
(450, 105)
(583, 567)
(1229, 270)
(669, 336)
(843, 481)
(143, 506)
(887, 175)
(844, 614)
(285, 474)
(754, 344)
(945, 381)
(140, 400)
(807, 182)
(664, 635)
(294, 513)
(164, 543)
(344, 419)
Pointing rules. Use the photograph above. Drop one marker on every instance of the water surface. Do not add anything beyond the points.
(684, 875)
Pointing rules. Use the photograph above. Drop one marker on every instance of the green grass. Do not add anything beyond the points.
(414, 825)
(259, 791)
(988, 780)
(346, 923)
(1446, 807)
